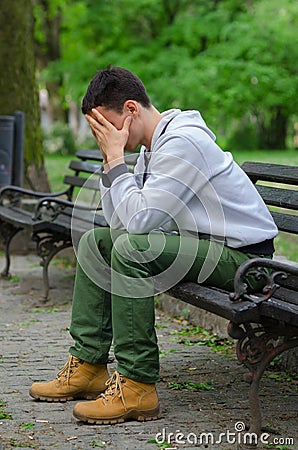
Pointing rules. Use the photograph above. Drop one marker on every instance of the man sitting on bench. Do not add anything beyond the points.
(188, 213)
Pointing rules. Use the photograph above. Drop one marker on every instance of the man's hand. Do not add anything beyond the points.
(110, 140)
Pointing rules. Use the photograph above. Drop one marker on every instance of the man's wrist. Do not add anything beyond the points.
(110, 163)
(109, 177)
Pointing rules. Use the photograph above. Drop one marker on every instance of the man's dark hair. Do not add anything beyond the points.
(111, 88)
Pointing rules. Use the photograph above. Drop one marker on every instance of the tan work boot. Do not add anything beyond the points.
(76, 380)
(123, 399)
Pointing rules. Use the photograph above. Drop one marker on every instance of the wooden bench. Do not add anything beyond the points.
(55, 220)
(264, 323)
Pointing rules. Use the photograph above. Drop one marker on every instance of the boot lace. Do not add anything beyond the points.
(114, 387)
(67, 370)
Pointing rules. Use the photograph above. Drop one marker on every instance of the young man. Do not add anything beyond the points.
(187, 213)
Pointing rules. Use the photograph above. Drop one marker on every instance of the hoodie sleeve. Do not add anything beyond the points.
(107, 203)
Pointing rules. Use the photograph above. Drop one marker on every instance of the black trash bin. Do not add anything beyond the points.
(12, 149)
(18, 149)
(7, 129)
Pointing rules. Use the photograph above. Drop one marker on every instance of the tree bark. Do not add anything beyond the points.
(278, 130)
(48, 52)
(18, 86)
(272, 131)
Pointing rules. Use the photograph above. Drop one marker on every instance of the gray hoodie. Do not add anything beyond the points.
(190, 187)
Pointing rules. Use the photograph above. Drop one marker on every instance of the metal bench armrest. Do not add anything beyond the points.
(260, 268)
(49, 208)
(11, 190)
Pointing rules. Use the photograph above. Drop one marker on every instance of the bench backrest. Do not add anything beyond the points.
(95, 155)
(278, 186)
(81, 176)
(86, 171)
(276, 183)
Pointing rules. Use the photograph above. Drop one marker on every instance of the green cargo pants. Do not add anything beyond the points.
(118, 275)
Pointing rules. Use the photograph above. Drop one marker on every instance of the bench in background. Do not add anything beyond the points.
(55, 220)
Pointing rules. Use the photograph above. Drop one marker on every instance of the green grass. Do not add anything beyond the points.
(3, 413)
(188, 385)
(286, 245)
(57, 167)
(289, 157)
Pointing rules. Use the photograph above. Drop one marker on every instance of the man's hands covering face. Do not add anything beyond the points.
(110, 140)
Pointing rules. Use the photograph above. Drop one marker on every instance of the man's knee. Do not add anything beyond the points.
(92, 237)
(138, 248)
(129, 243)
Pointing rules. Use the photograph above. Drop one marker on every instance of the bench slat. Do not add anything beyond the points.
(215, 301)
(218, 302)
(284, 198)
(287, 295)
(65, 225)
(85, 154)
(271, 172)
(87, 183)
(286, 222)
(16, 215)
(279, 310)
(291, 282)
(84, 166)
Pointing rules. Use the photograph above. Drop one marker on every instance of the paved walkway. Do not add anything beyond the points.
(34, 344)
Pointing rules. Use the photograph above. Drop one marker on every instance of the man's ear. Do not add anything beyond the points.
(132, 107)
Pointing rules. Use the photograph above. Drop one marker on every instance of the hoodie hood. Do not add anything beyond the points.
(176, 119)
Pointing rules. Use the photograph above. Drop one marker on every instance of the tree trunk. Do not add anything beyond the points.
(18, 86)
(272, 132)
(48, 52)
(278, 130)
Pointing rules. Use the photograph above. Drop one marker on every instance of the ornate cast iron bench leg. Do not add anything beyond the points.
(257, 346)
(47, 247)
(7, 232)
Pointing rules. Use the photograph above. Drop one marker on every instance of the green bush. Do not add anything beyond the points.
(59, 139)
(243, 136)
(87, 141)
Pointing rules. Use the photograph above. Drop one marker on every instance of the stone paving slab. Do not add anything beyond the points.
(34, 343)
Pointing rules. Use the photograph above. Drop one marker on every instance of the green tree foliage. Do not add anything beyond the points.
(233, 60)
(261, 51)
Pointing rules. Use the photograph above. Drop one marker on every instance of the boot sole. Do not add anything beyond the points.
(140, 416)
(66, 398)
